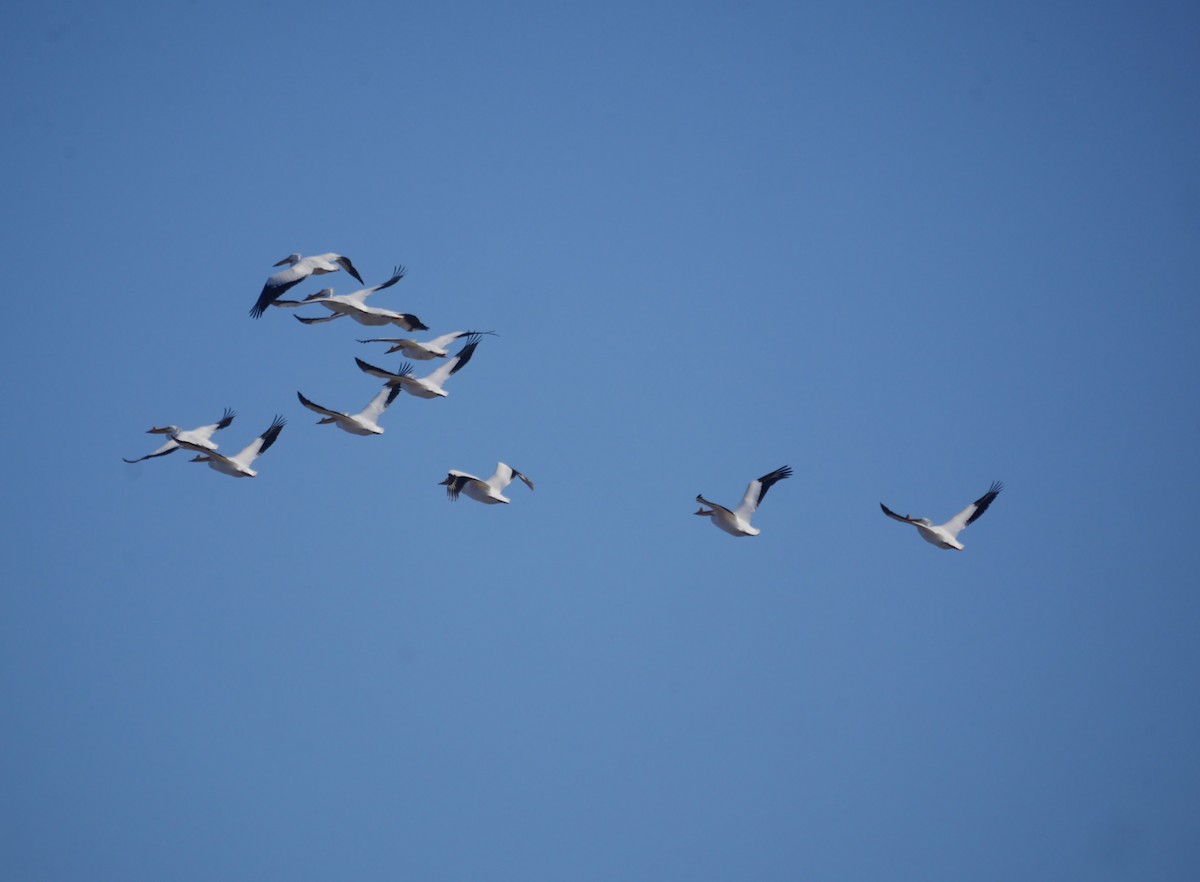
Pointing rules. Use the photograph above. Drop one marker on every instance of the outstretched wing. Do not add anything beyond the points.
(972, 512)
(261, 444)
(324, 411)
(278, 284)
(206, 432)
(700, 499)
(446, 339)
(380, 402)
(169, 447)
(405, 370)
(758, 489)
(504, 475)
(454, 364)
(891, 514)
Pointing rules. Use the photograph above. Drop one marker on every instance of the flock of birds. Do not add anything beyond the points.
(735, 522)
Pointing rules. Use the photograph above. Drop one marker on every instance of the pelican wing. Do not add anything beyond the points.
(363, 293)
(259, 445)
(453, 364)
(319, 320)
(455, 481)
(405, 371)
(206, 432)
(380, 402)
(902, 518)
(504, 475)
(446, 339)
(170, 447)
(324, 411)
(758, 488)
(972, 512)
(278, 284)
(700, 499)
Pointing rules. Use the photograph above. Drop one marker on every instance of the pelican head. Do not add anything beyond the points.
(165, 430)
(292, 259)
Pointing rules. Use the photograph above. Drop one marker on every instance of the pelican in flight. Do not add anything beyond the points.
(946, 535)
(199, 437)
(423, 387)
(237, 466)
(354, 305)
(480, 490)
(299, 269)
(430, 349)
(365, 422)
(737, 522)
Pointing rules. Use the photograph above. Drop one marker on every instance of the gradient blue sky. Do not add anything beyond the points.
(908, 249)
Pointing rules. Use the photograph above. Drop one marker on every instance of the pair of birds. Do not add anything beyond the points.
(404, 378)
(199, 441)
(736, 521)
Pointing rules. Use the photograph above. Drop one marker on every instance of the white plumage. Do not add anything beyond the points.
(237, 466)
(299, 269)
(200, 437)
(489, 491)
(737, 521)
(946, 535)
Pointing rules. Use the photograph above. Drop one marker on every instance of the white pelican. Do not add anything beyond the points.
(300, 268)
(354, 305)
(483, 491)
(423, 387)
(737, 522)
(946, 535)
(365, 422)
(199, 437)
(238, 466)
(430, 349)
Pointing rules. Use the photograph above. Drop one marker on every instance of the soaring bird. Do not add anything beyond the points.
(199, 437)
(483, 491)
(946, 535)
(430, 349)
(237, 466)
(424, 387)
(299, 269)
(354, 305)
(737, 522)
(365, 422)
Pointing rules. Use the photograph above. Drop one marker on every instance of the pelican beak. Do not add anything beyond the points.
(156, 431)
(199, 459)
(282, 262)
(702, 512)
(445, 483)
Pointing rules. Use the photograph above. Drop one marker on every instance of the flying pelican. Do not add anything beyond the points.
(946, 535)
(199, 437)
(300, 268)
(483, 491)
(423, 387)
(238, 466)
(365, 422)
(430, 349)
(354, 305)
(737, 522)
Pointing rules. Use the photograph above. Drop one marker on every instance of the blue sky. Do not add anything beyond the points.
(905, 250)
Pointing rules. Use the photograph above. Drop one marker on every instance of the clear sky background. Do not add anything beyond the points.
(907, 249)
